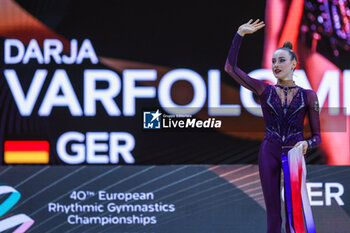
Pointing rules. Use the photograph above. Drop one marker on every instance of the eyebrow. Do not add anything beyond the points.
(278, 57)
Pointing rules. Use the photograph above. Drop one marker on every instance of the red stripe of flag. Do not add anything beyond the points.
(27, 146)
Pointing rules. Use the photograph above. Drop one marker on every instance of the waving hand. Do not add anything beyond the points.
(249, 28)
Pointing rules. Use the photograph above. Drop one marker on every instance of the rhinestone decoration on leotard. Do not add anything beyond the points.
(286, 95)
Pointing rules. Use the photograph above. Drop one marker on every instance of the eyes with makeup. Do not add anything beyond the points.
(280, 60)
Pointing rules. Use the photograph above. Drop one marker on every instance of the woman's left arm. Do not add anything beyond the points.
(314, 122)
(314, 119)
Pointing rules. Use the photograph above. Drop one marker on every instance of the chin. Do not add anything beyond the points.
(278, 76)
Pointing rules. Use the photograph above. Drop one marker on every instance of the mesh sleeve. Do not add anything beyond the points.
(257, 86)
(314, 119)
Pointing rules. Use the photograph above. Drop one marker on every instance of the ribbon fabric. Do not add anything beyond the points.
(297, 199)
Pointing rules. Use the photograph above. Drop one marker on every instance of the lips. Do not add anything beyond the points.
(277, 71)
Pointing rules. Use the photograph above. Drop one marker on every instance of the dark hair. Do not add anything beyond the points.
(288, 46)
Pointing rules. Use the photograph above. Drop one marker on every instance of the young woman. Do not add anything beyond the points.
(317, 30)
(284, 108)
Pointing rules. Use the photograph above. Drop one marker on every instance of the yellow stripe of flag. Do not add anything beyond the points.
(26, 157)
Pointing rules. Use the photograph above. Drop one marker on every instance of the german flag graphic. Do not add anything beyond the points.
(26, 152)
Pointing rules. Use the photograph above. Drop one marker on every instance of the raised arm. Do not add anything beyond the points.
(231, 68)
(314, 119)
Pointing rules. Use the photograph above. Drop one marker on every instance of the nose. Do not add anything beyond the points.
(277, 62)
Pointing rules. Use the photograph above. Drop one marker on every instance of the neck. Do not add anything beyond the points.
(286, 83)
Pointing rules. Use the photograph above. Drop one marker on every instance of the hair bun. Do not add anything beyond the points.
(288, 45)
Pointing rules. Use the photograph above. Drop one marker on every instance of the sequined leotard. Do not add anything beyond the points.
(284, 110)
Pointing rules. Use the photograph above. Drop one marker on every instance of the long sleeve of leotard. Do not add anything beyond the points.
(257, 86)
(314, 119)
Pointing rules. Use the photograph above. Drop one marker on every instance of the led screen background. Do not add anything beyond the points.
(141, 35)
(219, 198)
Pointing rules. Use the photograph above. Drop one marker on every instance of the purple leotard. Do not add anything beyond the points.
(284, 110)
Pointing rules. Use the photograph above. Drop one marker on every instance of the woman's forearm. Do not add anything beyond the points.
(236, 73)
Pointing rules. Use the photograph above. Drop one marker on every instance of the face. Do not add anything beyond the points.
(282, 65)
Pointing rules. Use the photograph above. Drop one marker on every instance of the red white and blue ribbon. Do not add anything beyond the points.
(297, 199)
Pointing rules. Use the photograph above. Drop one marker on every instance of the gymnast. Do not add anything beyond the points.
(284, 106)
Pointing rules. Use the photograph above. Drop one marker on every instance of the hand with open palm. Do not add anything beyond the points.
(249, 28)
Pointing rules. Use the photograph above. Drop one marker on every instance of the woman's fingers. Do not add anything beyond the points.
(250, 27)
(257, 22)
(260, 26)
(257, 25)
